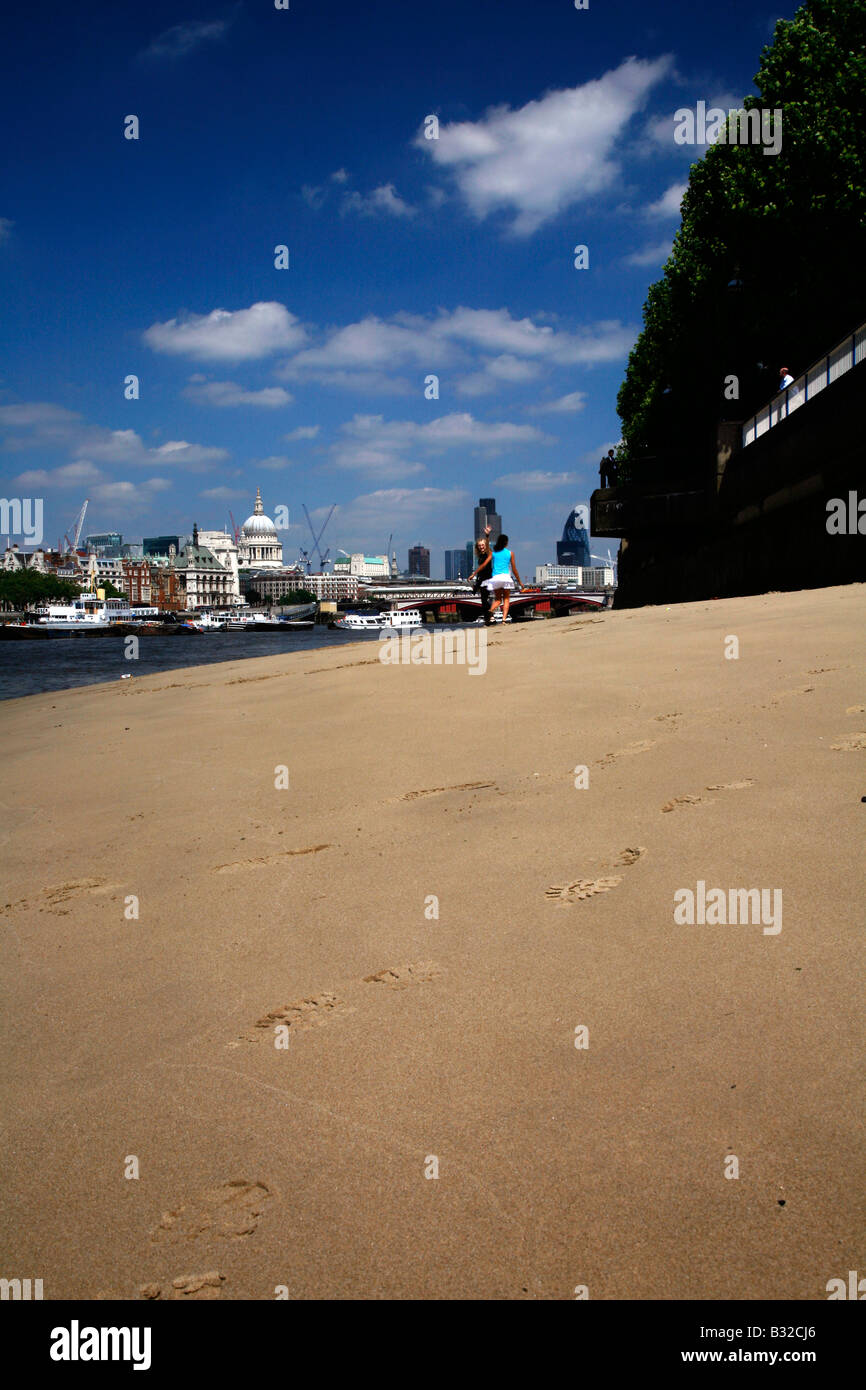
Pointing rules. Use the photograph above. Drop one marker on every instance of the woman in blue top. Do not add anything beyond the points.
(502, 577)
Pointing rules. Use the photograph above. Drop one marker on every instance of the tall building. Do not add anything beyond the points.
(105, 543)
(457, 564)
(419, 561)
(162, 545)
(259, 546)
(573, 549)
(486, 515)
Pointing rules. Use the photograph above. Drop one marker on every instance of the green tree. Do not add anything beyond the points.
(786, 229)
(296, 596)
(21, 589)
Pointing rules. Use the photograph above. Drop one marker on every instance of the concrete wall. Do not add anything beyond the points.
(766, 527)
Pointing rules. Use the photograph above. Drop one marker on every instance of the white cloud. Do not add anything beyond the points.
(68, 475)
(384, 199)
(228, 335)
(495, 371)
(658, 133)
(181, 39)
(274, 463)
(668, 205)
(399, 509)
(656, 254)
(223, 494)
(534, 480)
(302, 432)
(130, 497)
(564, 405)
(313, 195)
(352, 355)
(373, 445)
(339, 176)
(47, 423)
(372, 342)
(5, 229)
(228, 393)
(549, 154)
(125, 446)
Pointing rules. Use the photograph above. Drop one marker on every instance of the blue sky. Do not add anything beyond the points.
(408, 256)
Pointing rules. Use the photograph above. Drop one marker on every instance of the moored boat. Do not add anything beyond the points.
(374, 622)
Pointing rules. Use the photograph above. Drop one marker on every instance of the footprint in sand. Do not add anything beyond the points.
(401, 976)
(689, 800)
(582, 888)
(630, 856)
(435, 791)
(642, 746)
(305, 1013)
(237, 865)
(197, 1286)
(682, 801)
(54, 898)
(850, 744)
(228, 1211)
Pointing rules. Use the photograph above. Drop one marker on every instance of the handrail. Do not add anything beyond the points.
(840, 359)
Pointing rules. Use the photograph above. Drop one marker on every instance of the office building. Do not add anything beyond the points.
(486, 515)
(106, 543)
(457, 564)
(573, 549)
(597, 577)
(163, 545)
(419, 561)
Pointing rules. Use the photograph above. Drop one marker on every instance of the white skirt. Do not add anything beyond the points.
(499, 581)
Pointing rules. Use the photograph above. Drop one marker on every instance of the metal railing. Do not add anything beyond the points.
(827, 369)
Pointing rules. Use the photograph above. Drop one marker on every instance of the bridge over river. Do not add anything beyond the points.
(525, 604)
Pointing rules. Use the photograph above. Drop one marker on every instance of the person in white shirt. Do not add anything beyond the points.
(785, 378)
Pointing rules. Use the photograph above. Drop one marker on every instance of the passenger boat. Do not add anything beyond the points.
(83, 614)
(374, 622)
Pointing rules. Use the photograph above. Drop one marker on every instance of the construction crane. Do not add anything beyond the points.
(235, 528)
(304, 559)
(317, 538)
(609, 562)
(72, 545)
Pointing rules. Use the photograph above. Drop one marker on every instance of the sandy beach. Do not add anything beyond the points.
(422, 920)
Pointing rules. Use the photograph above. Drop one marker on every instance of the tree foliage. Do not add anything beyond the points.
(789, 228)
(25, 588)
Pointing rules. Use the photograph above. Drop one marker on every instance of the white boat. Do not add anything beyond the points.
(374, 622)
(207, 622)
(84, 614)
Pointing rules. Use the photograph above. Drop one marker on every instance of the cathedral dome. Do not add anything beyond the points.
(259, 546)
(258, 524)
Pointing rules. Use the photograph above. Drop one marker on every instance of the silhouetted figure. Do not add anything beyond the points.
(607, 470)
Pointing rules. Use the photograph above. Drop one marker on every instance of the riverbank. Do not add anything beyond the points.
(426, 915)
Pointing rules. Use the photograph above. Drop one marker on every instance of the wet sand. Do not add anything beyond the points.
(424, 917)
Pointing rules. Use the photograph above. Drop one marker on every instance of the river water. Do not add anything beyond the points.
(27, 668)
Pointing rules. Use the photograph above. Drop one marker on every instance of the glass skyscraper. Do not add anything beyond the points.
(573, 549)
